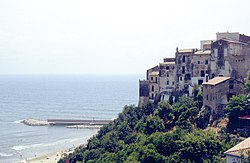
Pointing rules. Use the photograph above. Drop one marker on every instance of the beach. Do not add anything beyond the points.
(48, 158)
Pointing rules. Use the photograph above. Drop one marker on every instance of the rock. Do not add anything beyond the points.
(35, 122)
(85, 126)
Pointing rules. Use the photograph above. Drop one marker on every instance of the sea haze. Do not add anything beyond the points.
(57, 96)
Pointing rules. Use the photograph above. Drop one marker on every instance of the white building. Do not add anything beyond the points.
(234, 154)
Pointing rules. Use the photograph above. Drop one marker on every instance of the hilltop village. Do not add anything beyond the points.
(219, 67)
(173, 123)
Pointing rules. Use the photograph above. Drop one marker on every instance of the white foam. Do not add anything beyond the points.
(19, 121)
(5, 154)
(22, 147)
(19, 148)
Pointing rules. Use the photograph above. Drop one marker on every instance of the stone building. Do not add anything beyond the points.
(143, 92)
(167, 81)
(201, 64)
(153, 84)
(184, 59)
(153, 79)
(218, 91)
(228, 56)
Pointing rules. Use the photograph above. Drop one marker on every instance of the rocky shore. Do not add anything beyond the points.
(35, 122)
(85, 126)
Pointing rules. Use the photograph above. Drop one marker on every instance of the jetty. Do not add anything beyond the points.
(70, 123)
(77, 122)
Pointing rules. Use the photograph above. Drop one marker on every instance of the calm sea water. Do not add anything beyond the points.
(47, 96)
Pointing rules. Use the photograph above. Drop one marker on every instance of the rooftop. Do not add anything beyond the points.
(216, 80)
(167, 63)
(154, 73)
(186, 50)
(233, 41)
(208, 42)
(201, 52)
(240, 149)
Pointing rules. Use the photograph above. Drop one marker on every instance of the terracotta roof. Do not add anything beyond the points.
(154, 73)
(216, 80)
(240, 149)
(167, 63)
(201, 52)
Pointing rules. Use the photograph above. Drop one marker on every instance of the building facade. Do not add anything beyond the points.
(218, 91)
(228, 56)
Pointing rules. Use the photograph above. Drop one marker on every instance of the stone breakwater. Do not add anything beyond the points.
(85, 126)
(70, 123)
(35, 122)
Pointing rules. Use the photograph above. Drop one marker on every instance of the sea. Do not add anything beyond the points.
(57, 96)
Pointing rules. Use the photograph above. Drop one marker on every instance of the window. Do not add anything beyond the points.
(207, 97)
(198, 62)
(206, 62)
(200, 82)
(152, 96)
(167, 82)
(180, 78)
(202, 73)
(152, 78)
(183, 69)
(167, 68)
(167, 74)
(153, 88)
(231, 84)
(183, 58)
(173, 83)
(156, 79)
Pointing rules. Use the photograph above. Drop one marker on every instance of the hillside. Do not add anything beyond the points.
(175, 132)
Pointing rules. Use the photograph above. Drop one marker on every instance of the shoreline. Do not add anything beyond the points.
(50, 157)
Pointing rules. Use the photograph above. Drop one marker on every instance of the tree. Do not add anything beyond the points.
(149, 154)
(153, 124)
(195, 90)
(237, 106)
(165, 112)
(202, 119)
(199, 145)
(247, 87)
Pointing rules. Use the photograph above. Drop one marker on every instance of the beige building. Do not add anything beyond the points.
(167, 80)
(153, 84)
(218, 91)
(184, 59)
(201, 64)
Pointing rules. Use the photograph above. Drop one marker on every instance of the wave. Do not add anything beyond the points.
(19, 148)
(18, 121)
(23, 147)
(5, 154)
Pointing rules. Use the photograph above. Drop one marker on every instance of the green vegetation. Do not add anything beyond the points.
(238, 106)
(162, 133)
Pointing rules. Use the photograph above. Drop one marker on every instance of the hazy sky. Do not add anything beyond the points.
(108, 36)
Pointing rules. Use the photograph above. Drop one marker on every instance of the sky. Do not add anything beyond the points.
(108, 36)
